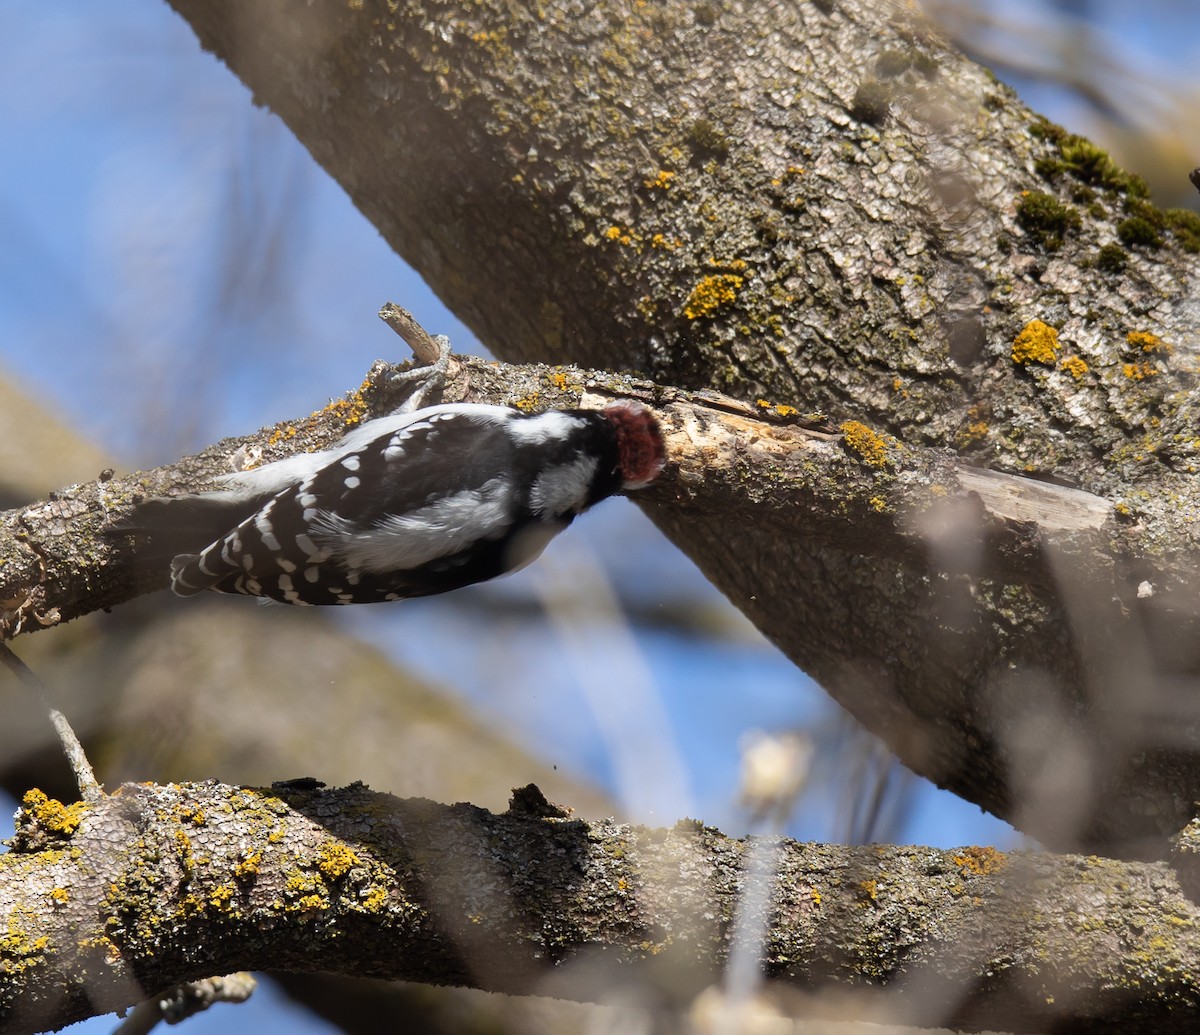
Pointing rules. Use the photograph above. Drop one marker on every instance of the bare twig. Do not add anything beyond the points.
(184, 1001)
(425, 348)
(89, 787)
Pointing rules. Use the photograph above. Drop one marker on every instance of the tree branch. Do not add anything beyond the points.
(854, 495)
(827, 206)
(154, 886)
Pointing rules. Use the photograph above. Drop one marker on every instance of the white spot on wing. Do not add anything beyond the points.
(353, 482)
(262, 522)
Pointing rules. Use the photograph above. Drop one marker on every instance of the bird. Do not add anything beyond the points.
(419, 502)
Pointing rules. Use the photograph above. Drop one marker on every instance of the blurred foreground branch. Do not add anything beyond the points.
(158, 885)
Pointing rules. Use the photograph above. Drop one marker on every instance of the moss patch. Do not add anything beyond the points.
(1046, 219)
(871, 101)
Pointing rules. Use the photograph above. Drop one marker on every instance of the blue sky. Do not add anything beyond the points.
(174, 269)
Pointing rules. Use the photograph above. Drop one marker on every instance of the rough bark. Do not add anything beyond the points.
(825, 205)
(160, 884)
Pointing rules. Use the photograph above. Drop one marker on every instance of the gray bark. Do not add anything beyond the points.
(155, 885)
(827, 207)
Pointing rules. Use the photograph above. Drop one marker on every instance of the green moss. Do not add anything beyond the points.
(926, 65)
(1090, 163)
(1046, 219)
(1140, 208)
(1044, 129)
(1084, 161)
(707, 140)
(1138, 231)
(871, 101)
(1185, 225)
(1112, 258)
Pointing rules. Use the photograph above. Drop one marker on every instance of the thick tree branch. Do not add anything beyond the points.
(851, 492)
(825, 205)
(113, 901)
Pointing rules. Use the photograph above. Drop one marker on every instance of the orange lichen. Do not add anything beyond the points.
(1074, 366)
(979, 862)
(1037, 343)
(868, 444)
(660, 182)
(1148, 342)
(779, 409)
(351, 409)
(1139, 371)
(711, 294)
(52, 815)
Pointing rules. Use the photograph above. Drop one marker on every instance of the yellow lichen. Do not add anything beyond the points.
(779, 409)
(222, 898)
(52, 815)
(17, 949)
(1148, 342)
(1139, 371)
(183, 851)
(336, 860)
(527, 403)
(712, 294)
(374, 899)
(281, 435)
(352, 409)
(879, 503)
(248, 866)
(868, 891)
(615, 233)
(976, 431)
(194, 816)
(868, 444)
(815, 895)
(60, 896)
(1037, 343)
(1074, 366)
(660, 182)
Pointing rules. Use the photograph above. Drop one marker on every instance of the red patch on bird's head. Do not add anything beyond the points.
(639, 443)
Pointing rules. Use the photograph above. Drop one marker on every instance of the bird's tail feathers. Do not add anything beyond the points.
(171, 526)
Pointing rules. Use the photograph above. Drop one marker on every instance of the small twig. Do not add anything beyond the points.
(424, 347)
(89, 787)
(183, 1001)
